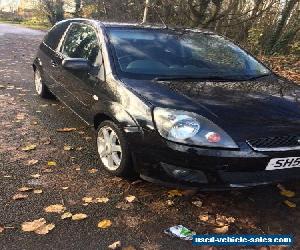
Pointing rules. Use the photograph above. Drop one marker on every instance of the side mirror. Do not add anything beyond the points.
(78, 64)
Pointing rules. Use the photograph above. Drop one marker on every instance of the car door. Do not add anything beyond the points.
(82, 41)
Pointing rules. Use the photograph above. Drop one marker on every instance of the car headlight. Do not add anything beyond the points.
(190, 128)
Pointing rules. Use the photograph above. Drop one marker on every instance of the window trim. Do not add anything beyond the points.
(65, 35)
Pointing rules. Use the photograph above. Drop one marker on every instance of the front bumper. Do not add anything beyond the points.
(173, 164)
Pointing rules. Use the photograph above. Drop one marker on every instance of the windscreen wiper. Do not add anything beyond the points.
(192, 78)
(259, 76)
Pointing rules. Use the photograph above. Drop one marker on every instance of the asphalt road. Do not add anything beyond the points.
(25, 119)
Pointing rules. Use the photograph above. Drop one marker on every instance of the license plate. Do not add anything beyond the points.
(283, 163)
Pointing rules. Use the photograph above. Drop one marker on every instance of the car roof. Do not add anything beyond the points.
(141, 26)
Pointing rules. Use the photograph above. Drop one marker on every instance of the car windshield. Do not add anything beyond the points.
(158, 53)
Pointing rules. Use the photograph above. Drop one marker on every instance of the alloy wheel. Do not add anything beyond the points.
(109, 148)
(38, 82)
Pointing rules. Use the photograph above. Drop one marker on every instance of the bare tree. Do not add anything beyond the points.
(53, 9)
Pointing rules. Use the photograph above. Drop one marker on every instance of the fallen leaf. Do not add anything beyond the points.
(51, 163)
(104, 224)
(37, 191)
(31, 226)
(221, 230)
(290, 204)
(20, 196)
(203, 217)
(101, 200)
(20, 116)
(79, 216)
(87, 199)
(93, 171)
(66, 129)
(25, 189)
(7, 176)
(47, 170)
(170, 202)
(130, 198)
(56, 208)
(66, 215)
(174, 193)
(29, 147)
(285, 192)
(1, 229)
(197, 203)
(35, 175)
(34, 123)
(65, 188)
(31, 162)
(79, 148)
(68, 148)
(88, 138)
(77, 169)
(116, 245)
(44, 229)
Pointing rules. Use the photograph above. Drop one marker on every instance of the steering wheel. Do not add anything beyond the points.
(125, 60)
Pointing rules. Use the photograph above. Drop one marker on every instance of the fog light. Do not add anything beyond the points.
(183, 174)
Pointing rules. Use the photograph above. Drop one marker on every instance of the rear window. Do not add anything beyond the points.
(52, 39)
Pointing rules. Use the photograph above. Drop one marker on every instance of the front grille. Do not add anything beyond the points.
(277, 142)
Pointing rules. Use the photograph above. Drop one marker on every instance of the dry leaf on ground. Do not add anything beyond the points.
(66, 215)
(31, 226)
(203, 217)
(51, 163)
(56, 208)
(66, 129)
(20, 196)
(290, 204)
(44, 229)
(101, 200)
(35, 176)
(79, 216)
(65, 188)
(130, 198)
(174, 193)
(197, 203)
(1, 229)
(29, 147)
(31, 162)
(104, 224)
(37, 191)
(221, 230)
(87, 199)
(93, 171)
(25, 189)
(68, 148)
(170, 202)
(285, 192)
(116, 245)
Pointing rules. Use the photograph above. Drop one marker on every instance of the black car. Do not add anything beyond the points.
(177, 106)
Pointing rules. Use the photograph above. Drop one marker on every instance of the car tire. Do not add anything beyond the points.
(113, 149)
(40, 87)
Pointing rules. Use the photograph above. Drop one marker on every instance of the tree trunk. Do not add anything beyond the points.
(286, 12)
(146, 10)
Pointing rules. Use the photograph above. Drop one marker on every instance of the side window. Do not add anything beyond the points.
(81, 42)
(54, 36)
